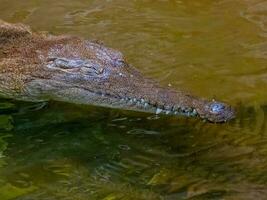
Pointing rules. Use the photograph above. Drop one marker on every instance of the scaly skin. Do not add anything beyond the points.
(42, 67)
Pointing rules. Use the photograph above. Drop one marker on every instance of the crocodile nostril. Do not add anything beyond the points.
(217, 107)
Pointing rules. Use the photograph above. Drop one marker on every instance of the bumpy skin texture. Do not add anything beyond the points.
(42, 67)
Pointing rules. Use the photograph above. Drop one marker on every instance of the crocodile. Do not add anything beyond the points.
(38, 66)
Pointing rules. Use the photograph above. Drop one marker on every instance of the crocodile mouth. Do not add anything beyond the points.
(103, 99)
(212, 111)
(140, 104)
(58, 90)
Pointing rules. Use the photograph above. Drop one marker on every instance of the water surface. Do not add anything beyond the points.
(214, 49)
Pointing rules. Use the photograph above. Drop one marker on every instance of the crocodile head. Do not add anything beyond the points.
(70, 69)
(88, 73)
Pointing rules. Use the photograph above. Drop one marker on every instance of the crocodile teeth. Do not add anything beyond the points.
(194, 112)
(158, 111)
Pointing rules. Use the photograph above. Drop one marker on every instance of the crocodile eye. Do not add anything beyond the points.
(64, 63)
(120, 63)
(77, 66)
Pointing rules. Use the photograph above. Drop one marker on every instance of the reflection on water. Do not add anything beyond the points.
(62, 151)
(212, 48)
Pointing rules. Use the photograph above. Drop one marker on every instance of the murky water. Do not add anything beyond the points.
(214, 49)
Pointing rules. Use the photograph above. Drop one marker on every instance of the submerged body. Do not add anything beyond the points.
(42, 67)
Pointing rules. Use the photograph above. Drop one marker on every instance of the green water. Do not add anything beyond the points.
(214, 49)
